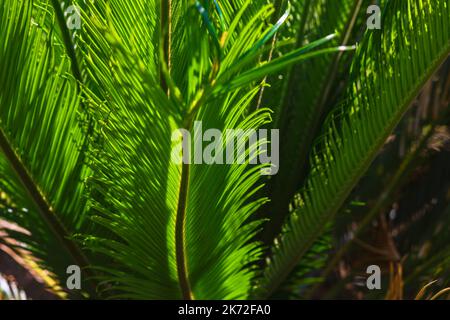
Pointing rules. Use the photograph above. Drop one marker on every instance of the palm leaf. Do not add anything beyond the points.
(390, 68)
(303, 97)
(40, 134)
(180, 230)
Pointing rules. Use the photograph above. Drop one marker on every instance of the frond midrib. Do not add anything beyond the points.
(180, 220)
(180, 235)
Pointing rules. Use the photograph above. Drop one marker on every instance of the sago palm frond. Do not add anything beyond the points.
(92, 121)
(301, 100)
(390, 67)
(40, 135)
(181, 228)
(99, 106)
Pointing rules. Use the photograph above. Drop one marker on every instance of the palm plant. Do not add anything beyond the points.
(86, 119)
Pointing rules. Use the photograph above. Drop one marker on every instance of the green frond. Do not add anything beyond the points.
(390, 68)
(94, 170)
(307, 274)
(301, 98)
(182, 229)
(41, 135)
(142, 204)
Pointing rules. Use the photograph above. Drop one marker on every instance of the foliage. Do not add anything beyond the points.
(86, 122)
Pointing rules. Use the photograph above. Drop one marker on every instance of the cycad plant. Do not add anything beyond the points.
(92, 91)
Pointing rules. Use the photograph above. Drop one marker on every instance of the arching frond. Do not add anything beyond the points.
(390, 68)
(41, 134)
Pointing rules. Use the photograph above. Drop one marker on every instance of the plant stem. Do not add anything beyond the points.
(180, 229)
(180, 235)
